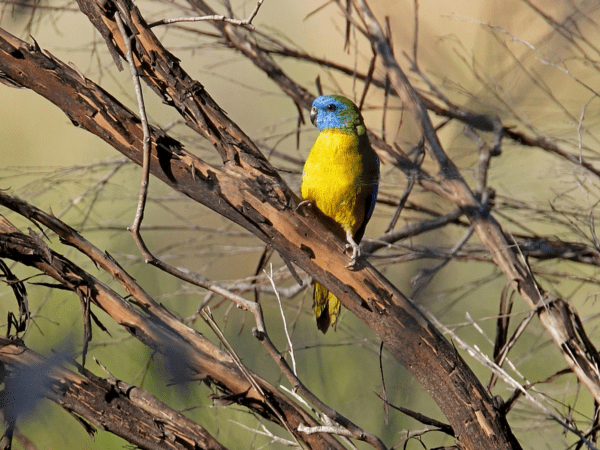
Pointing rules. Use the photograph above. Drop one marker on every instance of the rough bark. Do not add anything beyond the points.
(109, 404)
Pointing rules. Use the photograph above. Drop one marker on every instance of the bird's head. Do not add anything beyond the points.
(335, 111)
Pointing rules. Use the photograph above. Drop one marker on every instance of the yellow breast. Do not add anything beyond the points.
(332, 177)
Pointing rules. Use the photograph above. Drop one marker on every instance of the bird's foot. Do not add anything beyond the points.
(355, 249)
(303, 204)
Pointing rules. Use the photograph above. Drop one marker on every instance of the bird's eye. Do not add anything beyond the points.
(331, 107)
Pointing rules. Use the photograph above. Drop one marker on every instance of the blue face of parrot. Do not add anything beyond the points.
(334, 111)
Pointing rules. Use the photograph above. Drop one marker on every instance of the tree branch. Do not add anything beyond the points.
(112, 405)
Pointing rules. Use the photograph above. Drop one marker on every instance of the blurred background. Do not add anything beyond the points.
(534, 65)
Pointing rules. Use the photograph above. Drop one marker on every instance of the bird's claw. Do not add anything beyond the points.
(303, 204)
(355, 250)
(352, 262)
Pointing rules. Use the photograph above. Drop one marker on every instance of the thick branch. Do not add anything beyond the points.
(112, 405)
(163, 73)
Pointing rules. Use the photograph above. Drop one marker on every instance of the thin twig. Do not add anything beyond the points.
(411, 230)
(452, 186)
(424, 277)
(403, 198)
(285, 329)
(354, 431)
(503, 353)
(383, 396)
(267, 433)
(207, 316)
(341, 431)
(247, 23)
(261, 334)
(416, 31)
(443, 427)
(139, 215)
(485, 154)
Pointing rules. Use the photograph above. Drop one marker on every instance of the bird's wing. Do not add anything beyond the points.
(370, 196)
(369, 207)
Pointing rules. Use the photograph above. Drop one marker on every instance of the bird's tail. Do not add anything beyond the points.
(327, 308)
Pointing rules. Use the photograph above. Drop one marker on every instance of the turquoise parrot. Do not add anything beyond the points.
(341, 178)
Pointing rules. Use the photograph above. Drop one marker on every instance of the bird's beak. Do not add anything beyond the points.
(313, 115)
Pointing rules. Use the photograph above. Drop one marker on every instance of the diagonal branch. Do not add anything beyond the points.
(165, 76)
(111, 405)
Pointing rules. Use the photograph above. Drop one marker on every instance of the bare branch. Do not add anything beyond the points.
(144, 185)
(247, 23)
(111, 405)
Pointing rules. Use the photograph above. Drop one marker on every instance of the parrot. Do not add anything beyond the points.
(341, 179)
